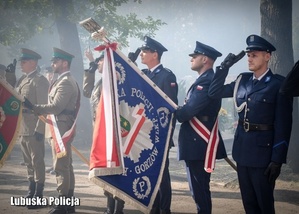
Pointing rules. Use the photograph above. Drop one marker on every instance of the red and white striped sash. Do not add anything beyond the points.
(60, 141)
(211, 138)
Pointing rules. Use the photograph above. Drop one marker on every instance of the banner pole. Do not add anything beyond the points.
(80, 155)
(231, 163)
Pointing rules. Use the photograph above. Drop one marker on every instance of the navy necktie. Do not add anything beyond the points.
(255, 81)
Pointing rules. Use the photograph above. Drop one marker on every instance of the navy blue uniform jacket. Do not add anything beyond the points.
(191, 145)
(265, 105)
(166, 81)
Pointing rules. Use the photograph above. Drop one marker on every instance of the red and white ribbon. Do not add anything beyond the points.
(211, 138)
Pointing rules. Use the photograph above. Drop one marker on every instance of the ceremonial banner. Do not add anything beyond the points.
(10, 118)
(135, 142)
(106, 157)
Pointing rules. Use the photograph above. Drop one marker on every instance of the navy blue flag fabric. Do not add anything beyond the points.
(145, 122)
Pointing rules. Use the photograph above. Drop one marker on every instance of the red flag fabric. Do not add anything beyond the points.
(105, 150)
(10, 118)
(100, 156)
(132, 132)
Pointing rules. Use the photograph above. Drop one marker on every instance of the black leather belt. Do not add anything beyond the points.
(256, 127)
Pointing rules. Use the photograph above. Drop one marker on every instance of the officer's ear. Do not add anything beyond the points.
(156, 55)
(267, 56)
(65, 63)
(205, 59)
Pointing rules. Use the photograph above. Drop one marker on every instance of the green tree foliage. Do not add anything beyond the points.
(119, 26)
(21, 20)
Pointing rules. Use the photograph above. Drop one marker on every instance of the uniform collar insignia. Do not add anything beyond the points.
(157, 70)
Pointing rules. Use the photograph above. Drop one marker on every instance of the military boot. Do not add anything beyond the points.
(59, 209)
(71, 209)
(110, 205)
(31, 189)
(39, 188)
(120, 204)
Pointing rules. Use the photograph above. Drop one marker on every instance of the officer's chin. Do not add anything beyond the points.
(250, 68)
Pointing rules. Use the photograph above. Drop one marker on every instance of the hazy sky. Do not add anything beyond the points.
(223, 25)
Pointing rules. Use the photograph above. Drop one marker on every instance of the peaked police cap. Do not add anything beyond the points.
(257, 43)
(27, 54)
(61, 54)
(153, 45)
(205, 50)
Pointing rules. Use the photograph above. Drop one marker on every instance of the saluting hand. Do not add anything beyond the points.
(89, 55)
(231, 59)
(11, 68)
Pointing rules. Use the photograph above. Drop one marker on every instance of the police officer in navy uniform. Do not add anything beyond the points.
(151, 52)
(192, 147)
(265, 121)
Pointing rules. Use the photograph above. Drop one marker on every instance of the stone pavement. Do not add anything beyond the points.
(224, 186)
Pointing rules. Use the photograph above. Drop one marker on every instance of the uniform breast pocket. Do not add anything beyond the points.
(266, 99)
(241, 96)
